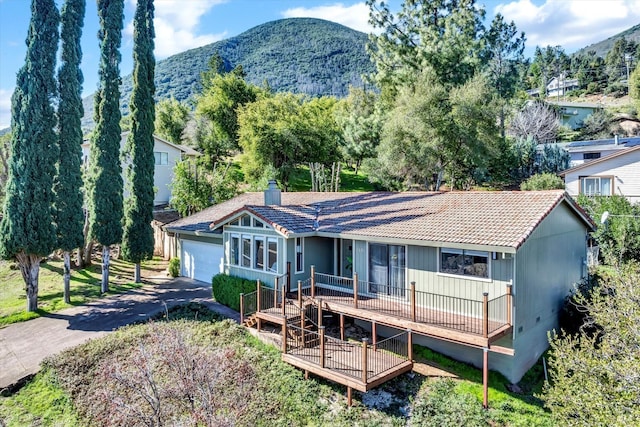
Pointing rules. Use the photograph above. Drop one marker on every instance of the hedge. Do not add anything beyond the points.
(227, 289)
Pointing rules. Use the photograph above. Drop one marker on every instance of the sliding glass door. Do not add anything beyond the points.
(387, 269)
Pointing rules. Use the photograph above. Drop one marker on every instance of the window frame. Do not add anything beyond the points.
(464, 253)
(162, 155)
(238, 258)
(599, 178)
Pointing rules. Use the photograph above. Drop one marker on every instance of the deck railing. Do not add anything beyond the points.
(359, 360)
(465, 315)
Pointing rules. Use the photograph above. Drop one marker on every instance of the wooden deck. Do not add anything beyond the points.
(398, 314)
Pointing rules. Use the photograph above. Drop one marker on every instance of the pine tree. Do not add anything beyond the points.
(68, 183)
(26, 230)
(105, 172)
(138, 234)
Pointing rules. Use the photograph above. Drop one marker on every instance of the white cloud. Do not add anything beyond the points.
(176, 25)
(5, 108)
(570, 24)
(355, 16)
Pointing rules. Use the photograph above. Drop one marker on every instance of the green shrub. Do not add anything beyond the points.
(174, 267)
(445, 406)
(543, 181)
(227, 289)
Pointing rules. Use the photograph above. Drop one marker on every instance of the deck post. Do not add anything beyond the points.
(355, 290)
(241, 309)
(284, 302)
(288, 276)
(300, 294)
(313, 281)
(365, 345)
(258, 295)
(342, 326)
(275, 294)
(322, 355)
(509, 302)
(413, 301)
(485, 314)
(349, 396)
(409, 345)
(284, 337)
(374, 335)
(485, 378)
(320, 312)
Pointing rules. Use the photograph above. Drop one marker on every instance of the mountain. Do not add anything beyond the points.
(604, 46)
(299, 55)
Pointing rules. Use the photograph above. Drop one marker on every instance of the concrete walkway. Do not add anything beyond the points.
(23, 346)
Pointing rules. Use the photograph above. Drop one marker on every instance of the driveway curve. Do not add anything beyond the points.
(23, 346)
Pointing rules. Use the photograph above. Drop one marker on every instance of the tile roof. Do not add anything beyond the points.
(503, 218)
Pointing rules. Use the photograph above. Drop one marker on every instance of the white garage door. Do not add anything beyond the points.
(201, 261)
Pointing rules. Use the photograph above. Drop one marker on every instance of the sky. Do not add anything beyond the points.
(186, 24)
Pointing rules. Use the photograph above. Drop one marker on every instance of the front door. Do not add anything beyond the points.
(387, 269)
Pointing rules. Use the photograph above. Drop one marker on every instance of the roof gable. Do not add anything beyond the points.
(619, 153)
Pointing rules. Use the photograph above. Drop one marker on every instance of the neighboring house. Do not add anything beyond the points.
(557, 87)
(585, 151)
(617, 172)
(166, 156)
(573, 114)
(437, 253)
(560, 86)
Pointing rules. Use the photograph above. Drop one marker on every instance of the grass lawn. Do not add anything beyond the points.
(349, 181)
(85, 286)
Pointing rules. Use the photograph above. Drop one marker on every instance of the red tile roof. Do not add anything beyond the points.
(504, 218)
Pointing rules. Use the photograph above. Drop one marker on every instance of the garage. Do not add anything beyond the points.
(201, 261)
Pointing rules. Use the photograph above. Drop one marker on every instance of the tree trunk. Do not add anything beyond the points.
(67, 277)
(30, 269)
(105, 269)
(136, 273)
(84, 253)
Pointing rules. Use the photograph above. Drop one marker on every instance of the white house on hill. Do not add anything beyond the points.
(166, 156)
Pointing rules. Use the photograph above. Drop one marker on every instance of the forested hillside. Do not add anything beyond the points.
(603, 47)
(299, 55)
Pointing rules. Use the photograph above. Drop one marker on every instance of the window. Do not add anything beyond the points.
(245, 221)
(258, 224)
(161, 158)
(234, 256)
(596, 186)
(299, 254)
(258, 245)
(590, 156)
(387, 269)
(246, 251)
(254, 252)
(464, 262)
(272, 257)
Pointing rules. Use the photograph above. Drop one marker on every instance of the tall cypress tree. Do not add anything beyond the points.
(105, 172)
(138, 234)
(68, 182)
(26, 230)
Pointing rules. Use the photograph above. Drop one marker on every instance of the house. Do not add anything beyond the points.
(166, 156)
(616, 172)
(560, 86)
(557, 87)
(573, 114)
(585, 151)
(468, 273)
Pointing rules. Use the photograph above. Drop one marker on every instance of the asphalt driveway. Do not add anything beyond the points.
(23, 346)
